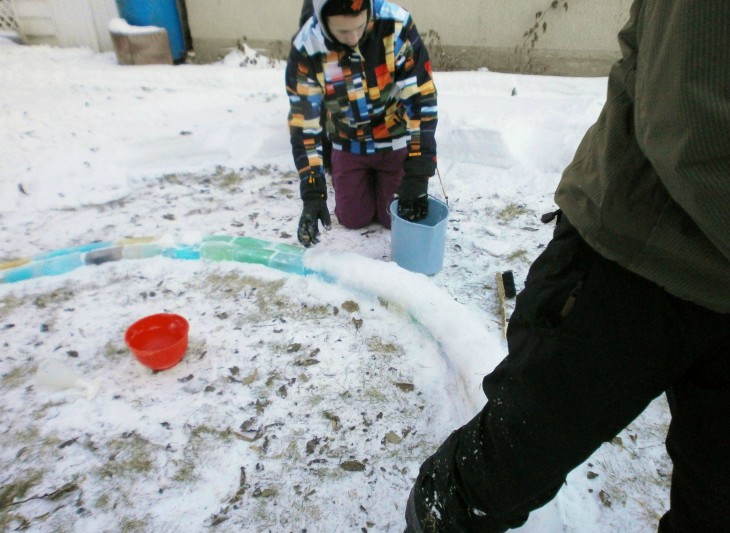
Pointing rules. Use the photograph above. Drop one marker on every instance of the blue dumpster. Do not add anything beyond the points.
(160, 13)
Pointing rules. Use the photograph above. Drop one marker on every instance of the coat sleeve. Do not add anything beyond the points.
(305, 106)
(417, 92)
(682, 113)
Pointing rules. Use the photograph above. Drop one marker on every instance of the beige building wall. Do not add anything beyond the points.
(65, 22)
(460, 34)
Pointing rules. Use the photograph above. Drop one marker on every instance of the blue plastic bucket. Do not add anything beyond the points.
(419, 246)
(160, 13)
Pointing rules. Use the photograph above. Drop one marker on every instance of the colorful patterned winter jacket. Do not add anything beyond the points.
(379, 97)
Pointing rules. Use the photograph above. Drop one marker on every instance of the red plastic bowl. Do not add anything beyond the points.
(158, 341)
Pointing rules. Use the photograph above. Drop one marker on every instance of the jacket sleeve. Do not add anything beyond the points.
(305, 106)
(417, 92)
(682, 114)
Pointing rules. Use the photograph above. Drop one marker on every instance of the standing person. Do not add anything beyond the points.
(631, 298)
(364, 61)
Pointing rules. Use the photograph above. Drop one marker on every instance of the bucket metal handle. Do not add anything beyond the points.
(443, 189)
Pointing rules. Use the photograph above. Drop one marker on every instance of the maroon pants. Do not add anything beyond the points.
(364, 186)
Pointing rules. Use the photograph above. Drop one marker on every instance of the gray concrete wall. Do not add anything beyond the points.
(460, 34)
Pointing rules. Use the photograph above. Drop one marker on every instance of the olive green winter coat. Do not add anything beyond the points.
(650, 183)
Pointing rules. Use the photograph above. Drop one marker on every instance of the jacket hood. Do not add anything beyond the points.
(319, 5)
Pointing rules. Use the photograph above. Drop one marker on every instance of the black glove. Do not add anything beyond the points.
(413, 192)
(314, 211)
(413, 198)
(313, 189)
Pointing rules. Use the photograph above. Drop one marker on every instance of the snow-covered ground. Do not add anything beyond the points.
(301, 404)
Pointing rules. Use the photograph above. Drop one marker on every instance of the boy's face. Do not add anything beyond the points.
(348, 29)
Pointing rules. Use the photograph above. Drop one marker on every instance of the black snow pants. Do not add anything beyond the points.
(590, 346)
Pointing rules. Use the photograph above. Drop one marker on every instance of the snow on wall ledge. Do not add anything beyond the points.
(121, 26)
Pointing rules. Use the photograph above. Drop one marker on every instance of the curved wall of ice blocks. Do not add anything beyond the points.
(285, 257)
